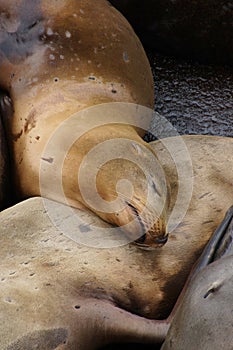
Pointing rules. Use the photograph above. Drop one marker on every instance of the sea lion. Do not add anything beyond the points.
(58, 285)
(205, 321)
(194, 29)
(204, 316)
(57, 59)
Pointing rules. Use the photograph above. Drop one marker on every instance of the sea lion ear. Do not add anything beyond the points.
(136, 148)
(153, 185)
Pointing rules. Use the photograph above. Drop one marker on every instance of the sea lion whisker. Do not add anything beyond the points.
(140, 203)
(147, 219)
(137, 215)
(133, 208)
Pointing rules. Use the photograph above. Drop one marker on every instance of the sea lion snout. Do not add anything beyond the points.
(143, 221)
(149, 205)
(146, 227)
(153, 243)
(155, 237)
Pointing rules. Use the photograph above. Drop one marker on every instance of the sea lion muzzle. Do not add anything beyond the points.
(154, 237)
(159, 241)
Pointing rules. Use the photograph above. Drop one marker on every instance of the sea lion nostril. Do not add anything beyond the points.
(161, 240)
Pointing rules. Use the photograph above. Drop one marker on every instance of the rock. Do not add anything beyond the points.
(195, 98)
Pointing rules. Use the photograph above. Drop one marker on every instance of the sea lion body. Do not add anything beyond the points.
(204, 318)
(56, 292)
(194, 29)
(58, 59)
(204, 314)
(3, 170)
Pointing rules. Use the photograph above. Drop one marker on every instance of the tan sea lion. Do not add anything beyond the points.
(44, 274)
(53, 291)
(205, 321)
(204, 316)
(59, 58)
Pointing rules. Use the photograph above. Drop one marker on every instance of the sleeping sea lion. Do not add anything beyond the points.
(204, 316)
(57, 59)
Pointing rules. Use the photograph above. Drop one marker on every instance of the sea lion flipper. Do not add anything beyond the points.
(225, 245)
(115, 325)
(210, 252)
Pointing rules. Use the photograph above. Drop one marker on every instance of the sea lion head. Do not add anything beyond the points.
(131, 190)
(145, 211)
(114, 173)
